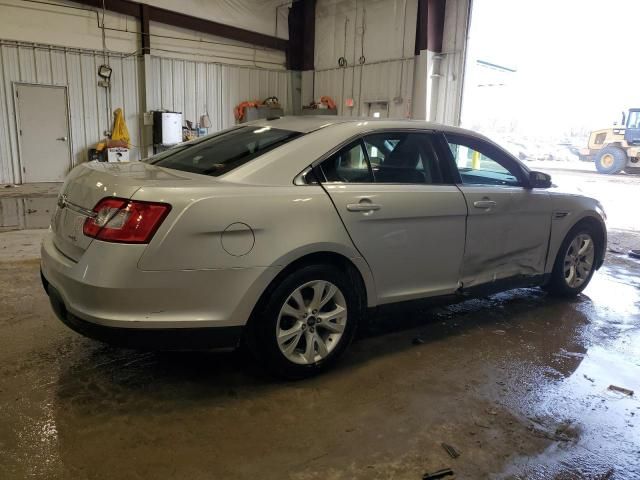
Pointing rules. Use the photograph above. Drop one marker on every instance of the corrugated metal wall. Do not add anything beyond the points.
(77, 69)
(390, 81)
(172, 84)
(194, 87)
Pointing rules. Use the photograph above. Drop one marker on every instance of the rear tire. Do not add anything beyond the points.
(575, 262)
(611, 160)
(296, 341)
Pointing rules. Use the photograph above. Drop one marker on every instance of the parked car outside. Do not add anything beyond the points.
(282, 234)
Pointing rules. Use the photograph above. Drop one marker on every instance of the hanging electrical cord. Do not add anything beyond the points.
(342, 61)
(355, 33)
(105, 59)
(362, 59)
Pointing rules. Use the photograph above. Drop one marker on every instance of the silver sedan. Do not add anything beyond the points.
(282, 234)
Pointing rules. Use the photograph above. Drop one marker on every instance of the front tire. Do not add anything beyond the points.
(575, 262)
(611, 160)
(307, 321)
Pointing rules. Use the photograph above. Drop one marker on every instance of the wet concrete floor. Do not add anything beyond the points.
(518, 383)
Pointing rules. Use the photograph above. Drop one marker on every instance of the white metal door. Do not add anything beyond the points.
(43, 129)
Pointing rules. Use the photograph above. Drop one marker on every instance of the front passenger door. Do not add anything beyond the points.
(509, 224)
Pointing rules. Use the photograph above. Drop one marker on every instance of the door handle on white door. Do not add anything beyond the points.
(484, 204)
(363, 207)
(62, 139)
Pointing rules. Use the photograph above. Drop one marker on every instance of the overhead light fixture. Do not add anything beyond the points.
(104, 71)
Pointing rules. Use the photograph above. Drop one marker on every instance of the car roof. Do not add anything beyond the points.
(310, 123)
(320, 134)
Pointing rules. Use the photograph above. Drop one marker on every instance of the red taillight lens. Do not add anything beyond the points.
(125, 221)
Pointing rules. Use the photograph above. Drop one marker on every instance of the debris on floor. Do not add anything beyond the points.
(418, 341)
(607, 475)
(625, 391)
(445, 472)
(565, 431)
(567, 354)
(453, 453)
(588, 378)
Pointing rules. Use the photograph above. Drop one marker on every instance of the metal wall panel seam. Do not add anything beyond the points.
(7, 164)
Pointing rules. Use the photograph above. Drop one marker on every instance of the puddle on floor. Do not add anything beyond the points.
(26, 213)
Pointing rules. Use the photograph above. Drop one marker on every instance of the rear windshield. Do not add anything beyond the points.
(221, 153)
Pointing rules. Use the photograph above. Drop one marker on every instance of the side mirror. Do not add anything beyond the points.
(539, 180)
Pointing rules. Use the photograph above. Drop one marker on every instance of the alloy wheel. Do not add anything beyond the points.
(311, 322)
(578, 261)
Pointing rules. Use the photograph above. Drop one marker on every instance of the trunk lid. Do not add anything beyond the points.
(90, 182)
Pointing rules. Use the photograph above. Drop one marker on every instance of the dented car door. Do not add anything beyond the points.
(508, 224)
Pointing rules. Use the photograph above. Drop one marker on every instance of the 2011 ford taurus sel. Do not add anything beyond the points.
(284, 232)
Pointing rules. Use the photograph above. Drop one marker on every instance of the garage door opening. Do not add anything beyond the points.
(542, 81)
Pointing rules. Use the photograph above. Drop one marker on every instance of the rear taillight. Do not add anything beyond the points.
(125, 221)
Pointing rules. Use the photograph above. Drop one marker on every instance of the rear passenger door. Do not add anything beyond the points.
(404, 213)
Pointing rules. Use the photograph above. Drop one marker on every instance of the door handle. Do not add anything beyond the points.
(484, 204)
(363, 207)
(62, 139)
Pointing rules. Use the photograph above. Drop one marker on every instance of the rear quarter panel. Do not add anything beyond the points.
(286, 223)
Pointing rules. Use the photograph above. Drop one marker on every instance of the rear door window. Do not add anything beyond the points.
(349, 165)
(221, 153)
(403, 157)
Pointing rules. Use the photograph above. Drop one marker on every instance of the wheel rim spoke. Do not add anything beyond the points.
(330, 292)
(297, 297)
(289, 348)
(332, 327)
(586, 246)
(310, 350)
(333, 320)
(290, 311)
(285, 335)
(322, 347)
(318, 293)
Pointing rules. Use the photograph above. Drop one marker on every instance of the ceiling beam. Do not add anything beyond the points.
(181, 20)
(145, 32)
(430, 25)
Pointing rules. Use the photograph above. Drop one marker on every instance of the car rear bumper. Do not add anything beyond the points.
(151, 338)
(105, 296)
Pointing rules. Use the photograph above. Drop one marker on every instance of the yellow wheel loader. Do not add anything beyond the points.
(618, 148)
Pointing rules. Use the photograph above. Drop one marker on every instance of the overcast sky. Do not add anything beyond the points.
(577, 62)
